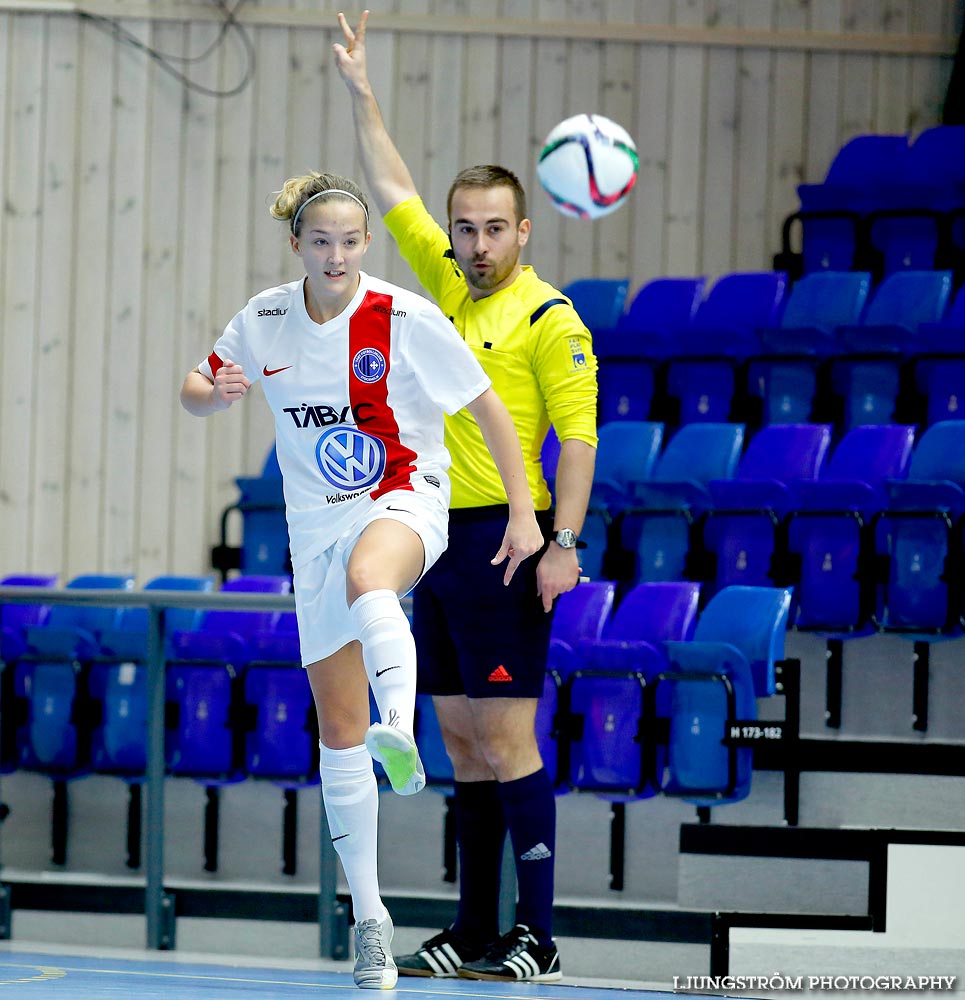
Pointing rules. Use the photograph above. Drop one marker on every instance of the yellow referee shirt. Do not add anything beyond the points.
(531, 343)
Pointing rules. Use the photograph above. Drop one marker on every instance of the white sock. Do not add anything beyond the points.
(351, 798)
(388, 651)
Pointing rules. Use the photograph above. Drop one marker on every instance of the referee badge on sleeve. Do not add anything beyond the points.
(576, 353)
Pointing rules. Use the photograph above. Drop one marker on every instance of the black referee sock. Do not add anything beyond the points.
(480, 834)
(529, 805)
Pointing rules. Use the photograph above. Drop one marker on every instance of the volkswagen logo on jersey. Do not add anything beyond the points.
(368, 365)
(349, 459)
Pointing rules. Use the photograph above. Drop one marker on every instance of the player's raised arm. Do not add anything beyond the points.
(386, 174)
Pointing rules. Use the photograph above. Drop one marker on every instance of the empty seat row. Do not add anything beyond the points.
(75, 689)
(869, 532)
(75, 684)
(830, 348)
(887, 203)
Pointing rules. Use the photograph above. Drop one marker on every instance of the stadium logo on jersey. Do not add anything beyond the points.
(368, 365)
(277, 311)
(576, 352)
(387, 311)
(350, 460)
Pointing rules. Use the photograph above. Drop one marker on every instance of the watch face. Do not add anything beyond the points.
(566, 538)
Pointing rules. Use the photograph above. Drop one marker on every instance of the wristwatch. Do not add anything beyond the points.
(566, 539)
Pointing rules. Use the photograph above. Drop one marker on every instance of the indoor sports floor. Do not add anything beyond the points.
(43, 975)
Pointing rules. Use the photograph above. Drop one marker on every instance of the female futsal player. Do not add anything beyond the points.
(357, 373)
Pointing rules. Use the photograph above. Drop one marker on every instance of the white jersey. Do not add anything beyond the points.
(357, 401)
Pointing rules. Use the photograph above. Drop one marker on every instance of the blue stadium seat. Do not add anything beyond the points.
(264, 545)
(606, 709)
(910, 227)
(657, 543)
(647, 615)
(785, 379)
(832, 212)
(742, 531)
(205, 716)
(581, 613)
(654, 318)
(695, 455)
(917, 546)
(899, 306)
(607, 753)
(118, 691)
(626, 454)
(51, 694)
(630, 355)
(701, 379)
(712, 680)
(737, 306)
(594, 559)
(118, 679)
(281, 739)
(50, 679)
(655, 533)
(201, 689)
(281, 724)
(827, 528)
(626, 389)
(599, 301)
(15, 619)
(816, 307)
(939, 365)
(867, 379)
(128, 638)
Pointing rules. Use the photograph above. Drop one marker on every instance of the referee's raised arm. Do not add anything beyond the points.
(386, 174)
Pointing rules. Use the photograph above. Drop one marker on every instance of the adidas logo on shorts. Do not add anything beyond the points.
(538, 853)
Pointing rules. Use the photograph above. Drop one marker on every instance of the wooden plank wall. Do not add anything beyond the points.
(135, 219)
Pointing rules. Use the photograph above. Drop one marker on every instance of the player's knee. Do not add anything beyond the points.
(362, 577)
(339, 730)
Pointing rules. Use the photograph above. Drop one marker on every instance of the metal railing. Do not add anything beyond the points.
(159, 906)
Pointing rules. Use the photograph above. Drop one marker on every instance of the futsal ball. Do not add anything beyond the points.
(587, 166)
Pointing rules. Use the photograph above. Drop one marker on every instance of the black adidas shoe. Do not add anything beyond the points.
(442, 956)
(516, 956)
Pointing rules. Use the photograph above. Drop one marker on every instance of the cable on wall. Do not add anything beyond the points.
(167, 61)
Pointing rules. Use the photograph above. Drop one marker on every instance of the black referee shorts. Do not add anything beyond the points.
(473, 635)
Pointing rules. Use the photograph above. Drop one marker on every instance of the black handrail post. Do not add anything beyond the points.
(160, 921)
(332, 914)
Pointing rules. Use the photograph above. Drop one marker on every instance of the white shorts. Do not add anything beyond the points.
(324, 626)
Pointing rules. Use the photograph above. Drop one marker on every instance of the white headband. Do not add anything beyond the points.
(321, 194)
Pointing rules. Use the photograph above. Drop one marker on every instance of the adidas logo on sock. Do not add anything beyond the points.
(500, 674)
(538, 853)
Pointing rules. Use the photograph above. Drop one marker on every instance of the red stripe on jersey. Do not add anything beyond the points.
(371, 327)
(215, 363)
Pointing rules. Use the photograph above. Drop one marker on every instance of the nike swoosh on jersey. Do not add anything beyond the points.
(385, 670)
(268, 372)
